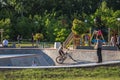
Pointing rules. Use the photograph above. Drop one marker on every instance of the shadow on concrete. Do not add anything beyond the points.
(77, 62)
(25, 58)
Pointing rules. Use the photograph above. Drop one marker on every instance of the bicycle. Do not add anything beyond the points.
(61, 59)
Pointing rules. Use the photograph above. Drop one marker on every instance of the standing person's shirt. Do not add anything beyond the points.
(118, 40)
(5, 42)
(18, 38)
(99, 43)
(112, 41)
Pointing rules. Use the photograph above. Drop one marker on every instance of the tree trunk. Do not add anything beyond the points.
(76, 40)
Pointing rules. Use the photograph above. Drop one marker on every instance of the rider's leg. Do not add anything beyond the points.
(62, 53)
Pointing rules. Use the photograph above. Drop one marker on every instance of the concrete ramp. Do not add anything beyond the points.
(47, 57)
(3, 56)
(25, 60)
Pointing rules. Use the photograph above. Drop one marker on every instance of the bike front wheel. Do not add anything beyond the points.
(59, 59)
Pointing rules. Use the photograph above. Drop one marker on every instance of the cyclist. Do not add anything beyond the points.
(60, 50)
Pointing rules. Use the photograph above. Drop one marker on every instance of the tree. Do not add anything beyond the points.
(78, 27)
(22, 25)
(5, 25)
(106, 18)
(48, 13)
(61, 28)
(38, 37)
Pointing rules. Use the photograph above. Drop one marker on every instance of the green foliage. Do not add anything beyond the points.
(78, 27)
(22, 25)
(38, 36)
(61, 29)
(5, 25)
(60, 34)
(22, 15)
(93, 73)
(107, 15)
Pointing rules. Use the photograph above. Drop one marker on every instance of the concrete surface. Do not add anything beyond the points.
(23, 57)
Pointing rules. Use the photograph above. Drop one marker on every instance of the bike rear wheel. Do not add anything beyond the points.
(59, 59)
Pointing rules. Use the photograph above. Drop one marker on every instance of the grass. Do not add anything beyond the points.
(96, 73)
(29, 44)
(22, 44)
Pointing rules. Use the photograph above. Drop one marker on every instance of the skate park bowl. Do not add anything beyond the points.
(46, 58)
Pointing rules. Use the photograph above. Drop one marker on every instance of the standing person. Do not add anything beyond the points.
(5, 43)
(34, 63)
(118, 41)
(112, 40)
(18, 39)
(99, 49)
(32, 39)
(60, 50)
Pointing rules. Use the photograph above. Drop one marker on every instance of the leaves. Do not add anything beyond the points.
(92, 73)
(38, 36)
(78, 27)
(52, 15)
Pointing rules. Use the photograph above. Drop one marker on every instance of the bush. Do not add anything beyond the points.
(78, 27)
